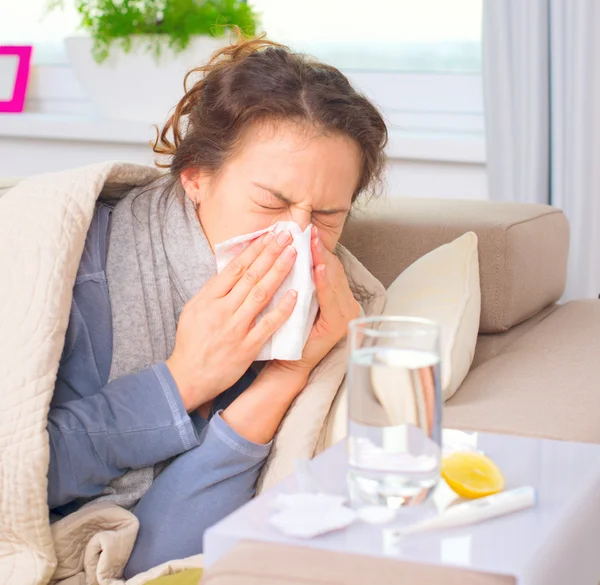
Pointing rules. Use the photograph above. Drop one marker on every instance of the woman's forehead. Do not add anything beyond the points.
(297, 164)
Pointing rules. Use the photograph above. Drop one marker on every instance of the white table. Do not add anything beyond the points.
(555, 543)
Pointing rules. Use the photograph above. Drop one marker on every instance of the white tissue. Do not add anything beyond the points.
(306, 515)
(288, 342)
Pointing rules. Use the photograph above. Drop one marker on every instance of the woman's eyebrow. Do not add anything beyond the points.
(287, 201)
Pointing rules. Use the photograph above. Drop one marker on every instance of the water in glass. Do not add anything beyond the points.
(394, 407)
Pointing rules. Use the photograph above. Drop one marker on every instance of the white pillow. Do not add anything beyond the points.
(443, 286)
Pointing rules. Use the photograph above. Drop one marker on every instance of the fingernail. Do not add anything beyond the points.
(318, 243)
(292, 294)
(283, 238)
(268, 238)
(289, 253)
(314, 232)
(321, 269)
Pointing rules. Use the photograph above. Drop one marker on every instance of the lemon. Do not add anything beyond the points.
(472, 475)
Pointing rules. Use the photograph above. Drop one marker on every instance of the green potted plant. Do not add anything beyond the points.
(136, 52)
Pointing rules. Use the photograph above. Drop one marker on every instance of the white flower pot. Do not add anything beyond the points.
(134, 85)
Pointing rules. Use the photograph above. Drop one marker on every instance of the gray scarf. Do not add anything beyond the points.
(158, 258)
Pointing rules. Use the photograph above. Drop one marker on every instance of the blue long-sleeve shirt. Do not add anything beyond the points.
(98, 430)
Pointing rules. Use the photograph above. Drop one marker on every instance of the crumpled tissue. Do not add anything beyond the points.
(306, 515)
(288, 341)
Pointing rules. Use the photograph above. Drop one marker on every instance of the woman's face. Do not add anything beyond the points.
(280, 173)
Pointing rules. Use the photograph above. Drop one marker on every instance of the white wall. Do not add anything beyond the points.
(21, 157)
(34, 144)
(438, 179)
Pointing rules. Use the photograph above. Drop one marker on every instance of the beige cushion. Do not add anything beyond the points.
(522, 249)
(258, 563)
(443, 286)
(543, 384)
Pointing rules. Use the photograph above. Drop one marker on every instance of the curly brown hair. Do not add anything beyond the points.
(257, 81)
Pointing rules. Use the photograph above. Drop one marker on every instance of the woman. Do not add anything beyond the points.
(157, 405)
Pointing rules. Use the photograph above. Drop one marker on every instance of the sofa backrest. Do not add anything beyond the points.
(523, 248)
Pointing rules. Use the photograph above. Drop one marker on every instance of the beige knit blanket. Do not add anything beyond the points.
(43, 225)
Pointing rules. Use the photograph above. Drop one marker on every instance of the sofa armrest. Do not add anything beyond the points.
(523, 248)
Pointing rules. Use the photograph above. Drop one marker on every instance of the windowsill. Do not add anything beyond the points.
(465, 148)
(78, 128)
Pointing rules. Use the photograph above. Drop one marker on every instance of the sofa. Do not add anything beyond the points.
(535, 371)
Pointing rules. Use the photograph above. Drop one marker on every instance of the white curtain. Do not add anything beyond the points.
(542, 107)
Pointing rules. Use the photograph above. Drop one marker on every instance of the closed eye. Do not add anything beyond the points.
(328, 220)
(270, 202)
(268, 207)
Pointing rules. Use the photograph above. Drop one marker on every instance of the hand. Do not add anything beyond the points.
(337, 307)
(217, 338)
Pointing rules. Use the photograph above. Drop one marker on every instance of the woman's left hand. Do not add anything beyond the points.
(337, 307)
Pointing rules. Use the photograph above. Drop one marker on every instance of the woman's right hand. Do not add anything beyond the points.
(217, 338)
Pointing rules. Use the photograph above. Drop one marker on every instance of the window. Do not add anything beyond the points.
(419, 60)
(433, 36)
(32, 22)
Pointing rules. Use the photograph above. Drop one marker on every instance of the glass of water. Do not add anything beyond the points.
(394, 410)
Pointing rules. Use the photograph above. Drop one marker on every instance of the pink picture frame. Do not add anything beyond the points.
(17, 101)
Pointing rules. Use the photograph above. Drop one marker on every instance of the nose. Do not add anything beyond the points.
(301, 216)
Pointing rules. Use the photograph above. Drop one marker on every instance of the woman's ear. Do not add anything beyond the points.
(195, 184)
